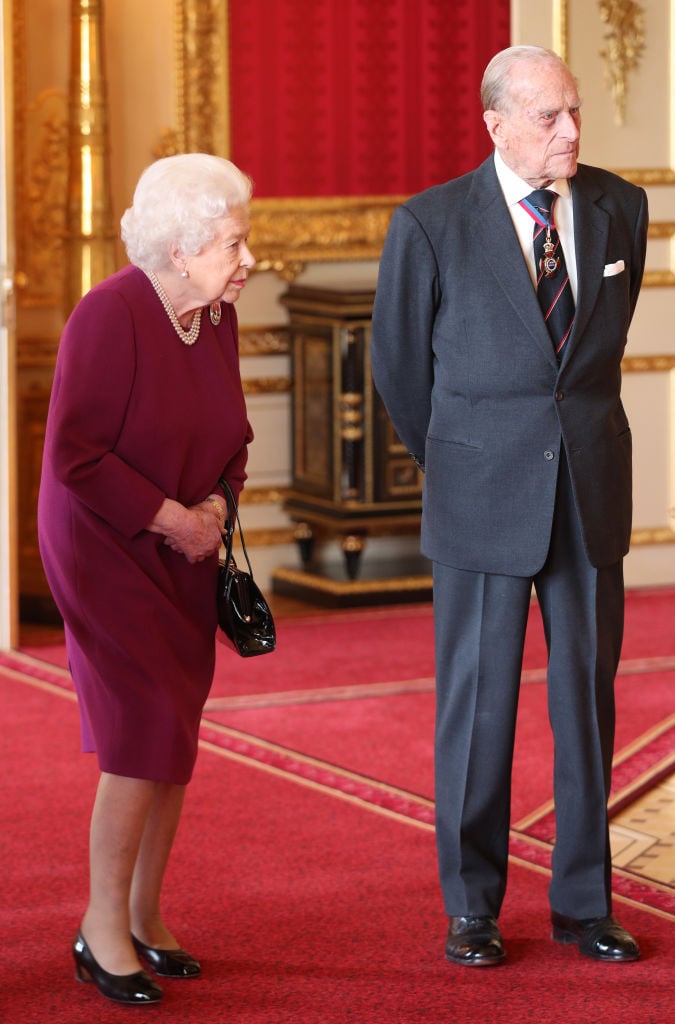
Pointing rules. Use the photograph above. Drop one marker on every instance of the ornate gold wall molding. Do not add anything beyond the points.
(647, 176)
(625, 44)
(654, 535)
(628, 31)
(202, 76)
(267, 385)
(40, 176)
(289, 233)
(648, 364)
(645, 536)
(661, 278)
(292, 232)
(41, 200)
(264, 495)
(561, 28)
(662, 229)
(263, 341)
(37, 353)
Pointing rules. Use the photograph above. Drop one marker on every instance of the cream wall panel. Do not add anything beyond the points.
(268, 366)
(649, 567)
(646, 397)
(644, 138)
(270, 454)
(652, 331)
(259, 302)
(534, 23)
(659, 252)
(140, 45)
(662, 203)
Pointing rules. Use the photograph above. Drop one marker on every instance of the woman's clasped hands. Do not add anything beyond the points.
(193, 531)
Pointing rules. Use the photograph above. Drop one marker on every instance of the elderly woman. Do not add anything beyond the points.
(147, 413)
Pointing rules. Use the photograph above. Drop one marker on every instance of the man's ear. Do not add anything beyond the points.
(493, 123)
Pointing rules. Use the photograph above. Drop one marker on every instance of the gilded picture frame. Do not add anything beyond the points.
(291, 232)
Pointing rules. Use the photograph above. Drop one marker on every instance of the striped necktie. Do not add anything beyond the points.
(553, 283)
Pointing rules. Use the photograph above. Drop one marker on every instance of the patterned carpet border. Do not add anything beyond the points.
(321, 775)
(642, 764)
(525, 847)
(35, 667)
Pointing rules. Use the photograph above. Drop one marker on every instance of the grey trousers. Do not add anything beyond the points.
(480, 622)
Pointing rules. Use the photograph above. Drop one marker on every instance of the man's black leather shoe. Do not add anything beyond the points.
(474, 942)
(601, 938)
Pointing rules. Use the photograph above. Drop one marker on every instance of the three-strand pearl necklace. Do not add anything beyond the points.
(188, 337)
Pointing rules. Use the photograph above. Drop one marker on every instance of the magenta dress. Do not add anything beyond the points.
(136, 416)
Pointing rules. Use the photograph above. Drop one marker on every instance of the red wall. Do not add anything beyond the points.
(359, 97)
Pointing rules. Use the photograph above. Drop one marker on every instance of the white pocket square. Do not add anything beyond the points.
(614, 268)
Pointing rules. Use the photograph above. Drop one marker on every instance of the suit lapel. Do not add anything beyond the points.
(591, 231)
(493, 225)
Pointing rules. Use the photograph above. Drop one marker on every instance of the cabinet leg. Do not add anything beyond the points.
(352, 546)
(304, 538)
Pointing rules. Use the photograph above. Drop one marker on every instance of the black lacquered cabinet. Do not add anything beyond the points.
(351, 476)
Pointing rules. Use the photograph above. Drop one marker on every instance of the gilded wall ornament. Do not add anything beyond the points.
(625, 43)
(41, 193)
(202, 75)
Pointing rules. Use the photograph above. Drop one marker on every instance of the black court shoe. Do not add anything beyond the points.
(168, 963)
(138, 988)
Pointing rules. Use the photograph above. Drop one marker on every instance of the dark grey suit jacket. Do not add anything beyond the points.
(464, 363)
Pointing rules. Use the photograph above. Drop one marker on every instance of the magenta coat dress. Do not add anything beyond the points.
(136, 416)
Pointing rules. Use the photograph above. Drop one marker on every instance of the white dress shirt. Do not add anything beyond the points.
(515, 189)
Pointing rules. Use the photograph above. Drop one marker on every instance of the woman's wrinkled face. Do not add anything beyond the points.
(218, 273)
(538, 134)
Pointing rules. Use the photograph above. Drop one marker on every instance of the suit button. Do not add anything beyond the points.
(559, 395)
(549, 455)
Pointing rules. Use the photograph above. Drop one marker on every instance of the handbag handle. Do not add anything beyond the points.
(228, 532)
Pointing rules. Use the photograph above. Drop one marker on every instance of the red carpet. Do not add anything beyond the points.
(394, 644)
(304, 873)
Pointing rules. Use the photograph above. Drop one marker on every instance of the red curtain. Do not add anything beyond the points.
(359, 97)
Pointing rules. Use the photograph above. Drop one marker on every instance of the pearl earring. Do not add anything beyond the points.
(184, 272)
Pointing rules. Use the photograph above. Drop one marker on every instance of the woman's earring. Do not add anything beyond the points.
(184, 272)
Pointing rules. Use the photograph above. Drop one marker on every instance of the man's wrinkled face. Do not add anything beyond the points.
(537, 134)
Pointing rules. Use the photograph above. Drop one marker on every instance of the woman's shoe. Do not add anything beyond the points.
(168, 963)
(123, 988)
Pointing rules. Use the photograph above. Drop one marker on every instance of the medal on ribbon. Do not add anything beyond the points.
(549, 262)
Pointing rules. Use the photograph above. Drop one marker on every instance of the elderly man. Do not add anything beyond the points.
(501, 317)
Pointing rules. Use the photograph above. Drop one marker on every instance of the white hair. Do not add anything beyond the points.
(178, 202)
(495, 88)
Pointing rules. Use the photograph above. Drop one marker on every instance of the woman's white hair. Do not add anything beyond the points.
(178, 202)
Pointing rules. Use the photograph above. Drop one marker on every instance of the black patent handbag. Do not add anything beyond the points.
(244, 617)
